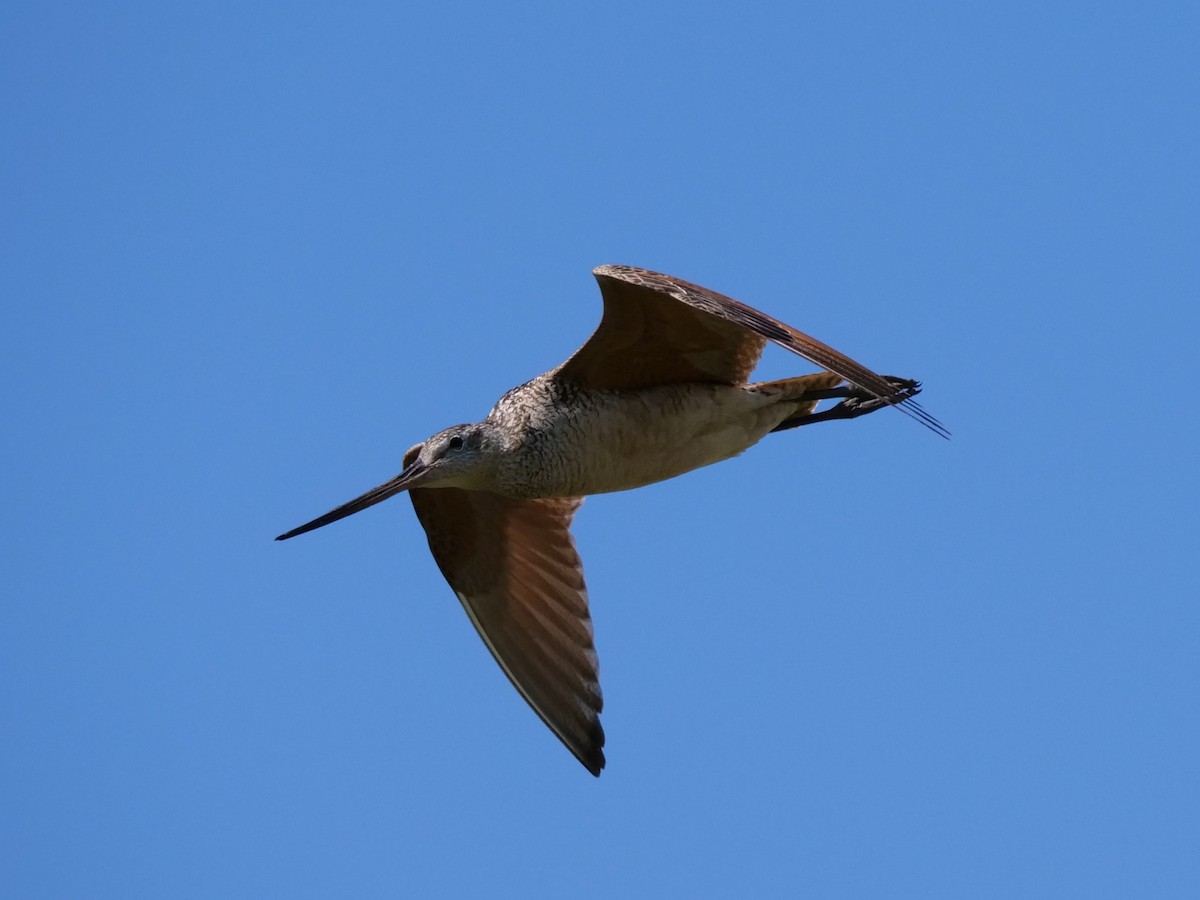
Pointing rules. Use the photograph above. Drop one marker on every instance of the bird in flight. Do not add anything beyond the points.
(661, 388)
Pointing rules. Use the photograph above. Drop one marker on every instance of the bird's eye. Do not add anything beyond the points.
(455, 443)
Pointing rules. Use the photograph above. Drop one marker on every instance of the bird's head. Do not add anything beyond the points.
(461, 456)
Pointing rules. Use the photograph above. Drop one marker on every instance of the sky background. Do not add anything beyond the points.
(252, 252)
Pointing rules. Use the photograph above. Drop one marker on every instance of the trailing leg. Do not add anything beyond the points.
(857, 403)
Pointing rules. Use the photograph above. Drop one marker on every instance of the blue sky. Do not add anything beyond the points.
(253, 252)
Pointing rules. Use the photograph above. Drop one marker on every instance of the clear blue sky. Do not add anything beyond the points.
(253, 252)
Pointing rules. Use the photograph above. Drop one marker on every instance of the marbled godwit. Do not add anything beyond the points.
(660, 389)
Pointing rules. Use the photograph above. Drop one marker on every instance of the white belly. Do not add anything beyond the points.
(618, 441)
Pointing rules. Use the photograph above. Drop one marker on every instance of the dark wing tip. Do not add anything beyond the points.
(593, 761)
(585, 739)
(591, 754)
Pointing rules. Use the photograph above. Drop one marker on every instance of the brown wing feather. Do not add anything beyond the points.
(647, 337)
(514, 566)
(657, 329)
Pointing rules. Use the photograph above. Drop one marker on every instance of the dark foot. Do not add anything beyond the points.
(856, 402)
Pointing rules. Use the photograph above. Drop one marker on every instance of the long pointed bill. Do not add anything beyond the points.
(401, 482)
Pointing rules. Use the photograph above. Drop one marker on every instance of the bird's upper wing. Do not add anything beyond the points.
(513, 565)
(660, 330)
(657, 329)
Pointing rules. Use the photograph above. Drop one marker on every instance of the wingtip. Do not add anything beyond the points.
(589, 749)
(594, 762)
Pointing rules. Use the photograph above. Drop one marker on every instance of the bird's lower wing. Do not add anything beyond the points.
(514, 566)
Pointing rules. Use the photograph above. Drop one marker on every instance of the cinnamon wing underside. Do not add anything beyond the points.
(514, 567)
(657, 329)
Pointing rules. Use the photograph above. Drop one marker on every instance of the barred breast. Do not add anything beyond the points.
(603, 441)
